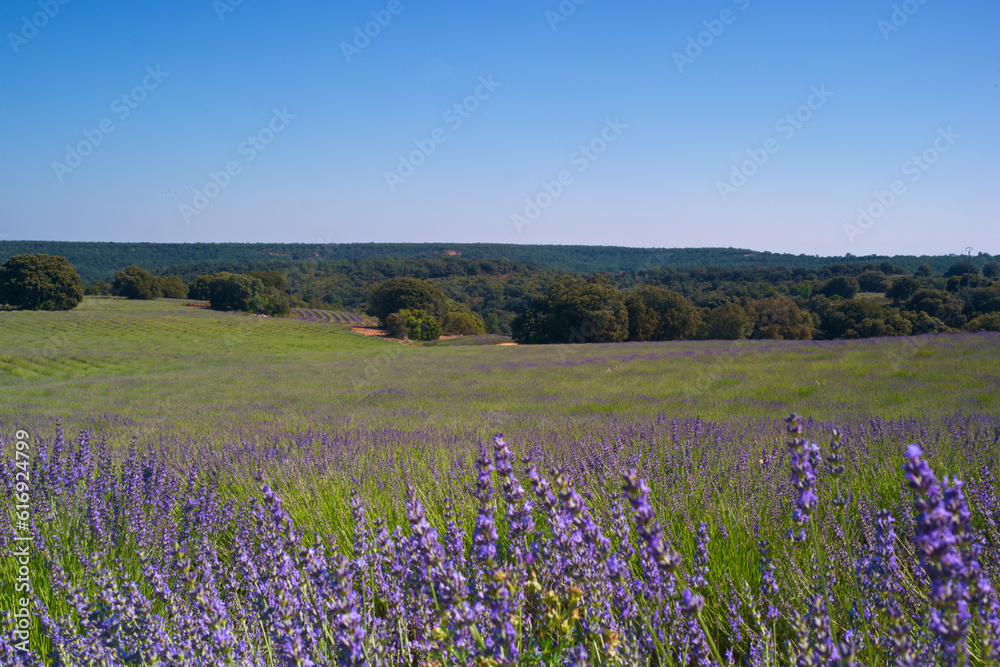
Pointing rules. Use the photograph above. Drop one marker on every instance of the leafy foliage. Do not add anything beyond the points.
(39, 282)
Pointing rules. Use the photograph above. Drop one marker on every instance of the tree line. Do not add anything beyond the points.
(421, 298)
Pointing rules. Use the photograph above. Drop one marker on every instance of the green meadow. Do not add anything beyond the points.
(157, 364)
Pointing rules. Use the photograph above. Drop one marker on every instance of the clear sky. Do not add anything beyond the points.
(745, 123)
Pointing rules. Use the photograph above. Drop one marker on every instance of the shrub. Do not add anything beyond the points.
(413, 324)
(779, 318)
(902, 288)
(463, 324)
(863, 319)
(230, 291)
(398, 294)
(727, 322)
(574, 310)
(655, 313)
(172, 287)
(987, 322)
(40, 282)
(134, 282)
(200, 288)
(873, 281)
(843, 286)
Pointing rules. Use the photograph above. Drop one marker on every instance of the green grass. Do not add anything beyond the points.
(160, 363)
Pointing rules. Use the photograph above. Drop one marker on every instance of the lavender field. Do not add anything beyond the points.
(645, 504)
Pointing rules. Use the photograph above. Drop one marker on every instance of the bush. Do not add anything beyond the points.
(863, 319)
(655, 313)
(200, 288)
(99, 288)
(172, 287)
(134, 282)
(40, 282)
(902, 288)
(574, 310)
(873, 281)
(413, 324)
(779, 318)
(727, 322)
(275, 303)
(230, 291)
(940, 304)
(463, 324)
(961, 268)
(843, 286)
(398, 294)
(988, 322)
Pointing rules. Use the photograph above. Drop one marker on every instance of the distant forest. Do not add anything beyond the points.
(542, 294)
(99, 260)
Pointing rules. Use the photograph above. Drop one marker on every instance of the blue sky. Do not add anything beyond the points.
(774, 126)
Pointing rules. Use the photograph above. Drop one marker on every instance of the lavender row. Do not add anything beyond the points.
(671, 542)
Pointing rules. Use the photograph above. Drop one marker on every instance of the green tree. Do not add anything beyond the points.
(40, 282)
(940, 304)
(729, 321)
(655, 313)
(863, 319)
(396, 294)
(843, 286)
(873, 281)
(200, 288)
(135, 282)
(462, 324)
(991, 269)
(413, 324)
(779, 318)
(923, 271)
(961, 268)
(987, 322)
(99, 288)
(270, 279)
(574, 310)
(172, 287)
(231, 291)
(902, 288)
(492, 323)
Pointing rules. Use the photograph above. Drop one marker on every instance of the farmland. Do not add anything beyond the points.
(366, 473)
